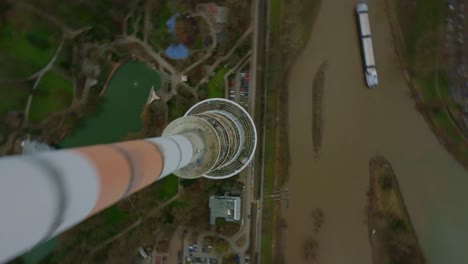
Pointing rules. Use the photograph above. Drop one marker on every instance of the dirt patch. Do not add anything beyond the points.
(317, 108)
(391, 233)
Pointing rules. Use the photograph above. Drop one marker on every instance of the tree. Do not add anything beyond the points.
(147, 116)
(386, 181)
(221, 246)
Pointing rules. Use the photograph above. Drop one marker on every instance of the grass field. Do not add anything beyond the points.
(27, 43)
(275, 17)
(418, 21)
(53, 93)
(268, 217)
(428, 87)
(13, 97)
(169, 187)
(160, 36)
(216, 84)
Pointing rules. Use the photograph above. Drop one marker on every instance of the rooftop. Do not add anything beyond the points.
(227, 207)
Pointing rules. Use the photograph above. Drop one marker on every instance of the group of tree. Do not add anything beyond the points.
(186, 29)
(153, 118)
(220, 246)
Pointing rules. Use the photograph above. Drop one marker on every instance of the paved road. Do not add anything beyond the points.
(258, 95)
(38, 77)
(225, 57)
(210, 49)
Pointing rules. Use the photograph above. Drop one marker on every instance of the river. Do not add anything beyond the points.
(358, 124)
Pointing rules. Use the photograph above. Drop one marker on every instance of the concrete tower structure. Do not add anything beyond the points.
(44, 194)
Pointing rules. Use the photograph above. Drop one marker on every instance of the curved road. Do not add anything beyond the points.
(360, 123)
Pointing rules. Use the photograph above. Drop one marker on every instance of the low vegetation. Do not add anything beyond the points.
(421, 25)
(27, 43)
(226, 228)
(169, 187)
(391, 233)
(13, 97)
(220, 246)
(216, 84)
(53, 93)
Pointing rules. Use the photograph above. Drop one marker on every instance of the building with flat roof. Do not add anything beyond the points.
(227, 207)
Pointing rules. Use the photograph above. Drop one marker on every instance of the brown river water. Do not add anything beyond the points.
(358, 124)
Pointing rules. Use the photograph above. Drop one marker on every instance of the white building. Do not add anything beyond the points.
(227, 207)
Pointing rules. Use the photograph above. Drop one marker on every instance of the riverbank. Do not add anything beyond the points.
(425, 74)
(290, 26)
(391, 233)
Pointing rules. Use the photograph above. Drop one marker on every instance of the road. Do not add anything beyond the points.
(38, 77)
(225, 57)
(258, 106)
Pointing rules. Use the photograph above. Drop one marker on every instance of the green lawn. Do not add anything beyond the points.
(53, 93)
(169, 187)
(275, 17)
(113, 215)
(27, 44)
(65, 57)
(13, 97)
(442, 120)
(160, 35)
(216, 84)
(429, 88)
(444, 91)
(420, 20)
(429, 92)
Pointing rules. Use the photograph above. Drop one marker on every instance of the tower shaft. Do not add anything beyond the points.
(44, 194)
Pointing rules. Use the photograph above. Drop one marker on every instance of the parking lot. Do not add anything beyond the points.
(198, 252)
(239, 86)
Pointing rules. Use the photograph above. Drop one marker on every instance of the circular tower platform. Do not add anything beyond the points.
(223, 136)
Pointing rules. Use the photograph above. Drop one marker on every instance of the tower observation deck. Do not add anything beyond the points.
(44, 194)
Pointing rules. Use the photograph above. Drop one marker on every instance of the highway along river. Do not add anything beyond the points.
(360, 123)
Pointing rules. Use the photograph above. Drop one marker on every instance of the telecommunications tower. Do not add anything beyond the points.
(44, 194)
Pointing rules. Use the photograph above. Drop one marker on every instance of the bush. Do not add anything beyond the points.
(396, 224)
(386, 182)
(187, 182)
